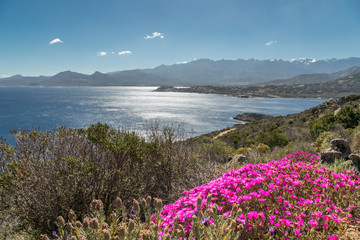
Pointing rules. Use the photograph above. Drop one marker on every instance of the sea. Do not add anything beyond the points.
(130, 108)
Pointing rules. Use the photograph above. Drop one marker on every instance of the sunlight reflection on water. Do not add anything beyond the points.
(129, 107)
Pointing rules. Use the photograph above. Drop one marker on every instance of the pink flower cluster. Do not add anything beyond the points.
(288, 197)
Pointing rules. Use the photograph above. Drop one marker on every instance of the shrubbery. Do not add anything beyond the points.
(273, 139)
(47, 173)
(292, 198)
(348, 117)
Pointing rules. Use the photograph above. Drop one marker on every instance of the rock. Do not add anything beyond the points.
(329, 156)
(239, 157)
(355, 160)
(337, 111)
(249, 117)
(228, 159)
(341, 145)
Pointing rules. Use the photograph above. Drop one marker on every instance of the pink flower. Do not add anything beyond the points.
(313, 223)
(297, 232)
(226, 214)
(333, 237)
(249, 227)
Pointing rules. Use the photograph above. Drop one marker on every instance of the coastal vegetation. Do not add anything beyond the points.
(335, 88)
(67, 183)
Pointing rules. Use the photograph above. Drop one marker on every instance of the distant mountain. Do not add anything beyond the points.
(315, 78)
(198, 72)
(335, 88)
(243, 72)
(68, 78)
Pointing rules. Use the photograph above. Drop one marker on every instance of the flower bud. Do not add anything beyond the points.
(167, 236)
(104, 226)
(118, 203)
(78, 224)
(86, 223)
(198, 202)
(60, 221)
(44, 237)
(112, 215)
(94, 224)
(97, 205)
(69, 226)
(71, 215)
(208, 199)
(180, 230)
(148, 200)
(176, 220)
(193, 218)
(132, 225)
(136, 205)
(233, 224)
(234, 208)
(106, 234)
(121, 232)
(143, 202)
(158, 203)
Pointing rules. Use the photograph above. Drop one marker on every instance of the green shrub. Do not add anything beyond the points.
(213, 149)
(323, 124)
(273, 139)
(47, 173)
(348, 117)
(349, 98)
(341, 165)
(323, 141)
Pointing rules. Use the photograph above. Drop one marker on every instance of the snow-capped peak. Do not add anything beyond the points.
(306, 61)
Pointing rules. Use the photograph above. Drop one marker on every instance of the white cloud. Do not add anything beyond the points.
(4, 76)
(184, 62)
(101, 54)
(56, 40)
(270, 43)
(124, 52)
(154, 35)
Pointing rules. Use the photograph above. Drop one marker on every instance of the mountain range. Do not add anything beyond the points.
(332, 89)
(204, 72)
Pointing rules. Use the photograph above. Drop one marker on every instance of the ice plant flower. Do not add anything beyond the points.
(292, 194)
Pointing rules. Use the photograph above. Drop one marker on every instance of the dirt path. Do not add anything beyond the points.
(224, 132)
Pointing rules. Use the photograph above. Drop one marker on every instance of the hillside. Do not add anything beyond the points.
(68, 78)
(335, 88)
(244, 72)
(107, 163)
(198, 72)
(315, 78)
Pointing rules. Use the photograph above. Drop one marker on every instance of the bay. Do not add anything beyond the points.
(134, 108)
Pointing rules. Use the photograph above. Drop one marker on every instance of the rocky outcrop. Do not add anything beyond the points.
(355, 160)
(340, 149)
(329, 156)
(238, 157)
(341, 145)
(249, 117)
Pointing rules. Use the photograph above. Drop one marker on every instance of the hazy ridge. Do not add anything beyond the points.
(200, 72)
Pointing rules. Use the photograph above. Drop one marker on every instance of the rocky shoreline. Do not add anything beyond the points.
(333, 89)
(250, 117)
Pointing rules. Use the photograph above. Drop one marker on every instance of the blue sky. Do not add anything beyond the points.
(44, 37)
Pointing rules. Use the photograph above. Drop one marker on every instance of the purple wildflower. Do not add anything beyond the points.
(205, 221)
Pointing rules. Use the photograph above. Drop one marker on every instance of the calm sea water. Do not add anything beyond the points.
(129, 107)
